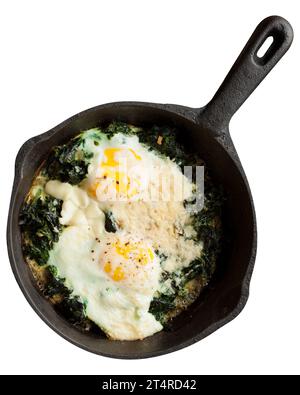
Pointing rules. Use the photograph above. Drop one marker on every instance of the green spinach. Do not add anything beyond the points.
(207, 225)
(68, 162)
(70, 306)
(39, 222)
(161, 305)
(110, 222)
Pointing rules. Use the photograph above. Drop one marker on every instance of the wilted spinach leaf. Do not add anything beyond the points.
(68, 162)
(39, 222)
(160, 305)
(110, 223)
(70, 306)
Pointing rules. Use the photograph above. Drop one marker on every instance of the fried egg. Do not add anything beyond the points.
(129, 261)
(117, 275)
(119, 170)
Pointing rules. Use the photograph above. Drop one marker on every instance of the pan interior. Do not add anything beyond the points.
(226, 291)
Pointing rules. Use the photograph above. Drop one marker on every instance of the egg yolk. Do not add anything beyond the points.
(110, 156)
(130, 256)
(121, 181)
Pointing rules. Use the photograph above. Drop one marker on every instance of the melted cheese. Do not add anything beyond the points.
(77, 209)
(166, 224)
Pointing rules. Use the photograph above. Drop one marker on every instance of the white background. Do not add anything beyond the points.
(61, 57)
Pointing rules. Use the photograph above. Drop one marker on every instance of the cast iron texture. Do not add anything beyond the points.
(206, 130)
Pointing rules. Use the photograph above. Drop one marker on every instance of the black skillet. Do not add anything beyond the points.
(206, 131)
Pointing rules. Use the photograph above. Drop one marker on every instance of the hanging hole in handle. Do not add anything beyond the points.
(270, 45)
(262, 50)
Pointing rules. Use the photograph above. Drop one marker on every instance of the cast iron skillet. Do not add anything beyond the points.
(205, 130)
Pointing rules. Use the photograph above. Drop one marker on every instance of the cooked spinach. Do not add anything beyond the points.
(166, 141)
(72, 309)
(118, 127)
(110, 223)
(166, 302)
(197, 268)
(162, 304)
(39, 222)
(55, 284)
(70, 306)
(68, 162)
(207, 225)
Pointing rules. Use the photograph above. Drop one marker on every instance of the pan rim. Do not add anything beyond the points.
(188, 114)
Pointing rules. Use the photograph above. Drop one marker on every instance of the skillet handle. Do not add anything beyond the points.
(248, 71)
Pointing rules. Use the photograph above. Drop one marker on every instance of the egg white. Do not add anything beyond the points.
(121, 308)
(120, 311)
